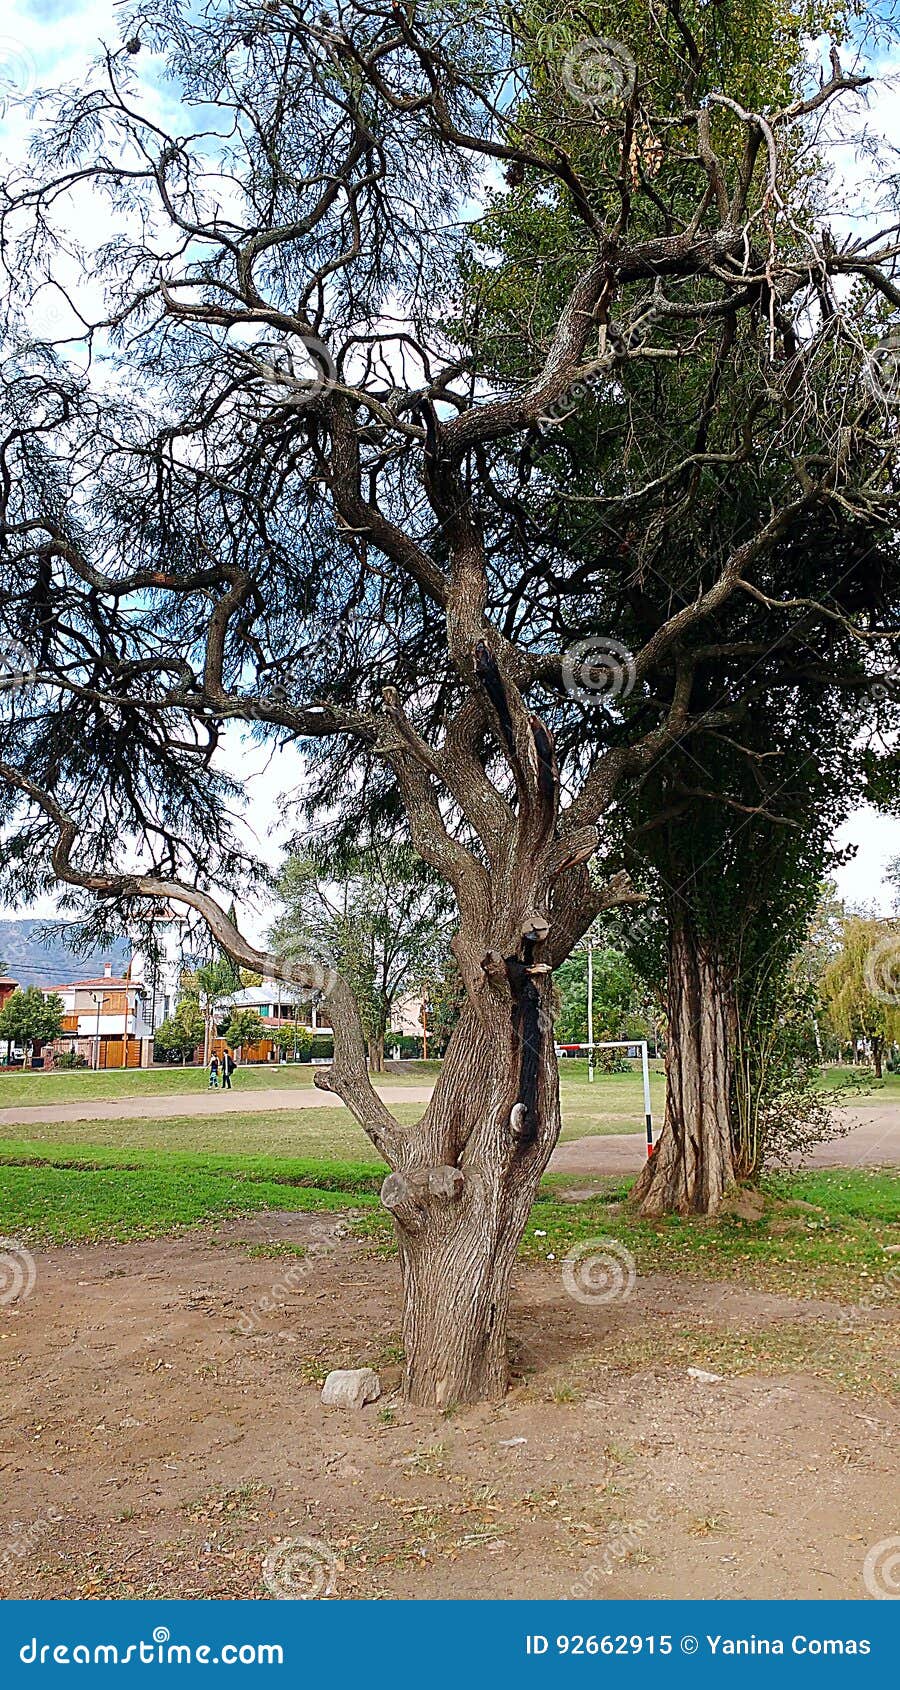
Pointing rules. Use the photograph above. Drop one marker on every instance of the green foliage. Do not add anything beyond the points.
(244, 1028)
(376, 914)
(293, 1041)
(28, 1016)
(861, 986)
(618, 998)
(180, 1034)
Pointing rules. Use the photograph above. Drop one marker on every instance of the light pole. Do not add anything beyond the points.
(590, 1010)
(98, 999)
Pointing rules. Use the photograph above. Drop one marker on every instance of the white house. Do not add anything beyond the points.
(160, 975)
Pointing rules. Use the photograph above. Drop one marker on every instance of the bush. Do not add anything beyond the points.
(69, 1059)
(322, 1047)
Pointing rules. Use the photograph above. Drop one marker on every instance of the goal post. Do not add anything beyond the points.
(623, 1044)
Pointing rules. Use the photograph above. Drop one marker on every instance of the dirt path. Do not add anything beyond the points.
(873, 1142)
(162, 1433)
(164, 1108)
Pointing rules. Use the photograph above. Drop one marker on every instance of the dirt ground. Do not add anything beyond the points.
(162, 1436)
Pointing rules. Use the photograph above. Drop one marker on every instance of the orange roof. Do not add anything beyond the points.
(106, 980)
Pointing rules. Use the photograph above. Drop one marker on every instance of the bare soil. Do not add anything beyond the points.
(162, 1433)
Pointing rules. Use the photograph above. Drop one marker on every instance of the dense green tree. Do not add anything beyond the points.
(294, 1041)
(28, 1016)
(619, 998)
(861, 986)
(181, 1033)
(727, 832)
(244, 1028)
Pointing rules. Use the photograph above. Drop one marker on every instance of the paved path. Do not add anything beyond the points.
(874, 1142)
(166, 1108)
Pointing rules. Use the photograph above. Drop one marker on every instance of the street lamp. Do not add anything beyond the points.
(590, 1010)
(98, 999)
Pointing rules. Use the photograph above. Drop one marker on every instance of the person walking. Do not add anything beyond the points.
(228, 1067)
(214, 1072)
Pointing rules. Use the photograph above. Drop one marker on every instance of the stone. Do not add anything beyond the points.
(704, 1378)
(351, 1387)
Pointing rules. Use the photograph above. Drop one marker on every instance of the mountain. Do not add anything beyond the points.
(36, 953)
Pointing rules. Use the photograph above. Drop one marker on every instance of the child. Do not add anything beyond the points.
(214, 1072)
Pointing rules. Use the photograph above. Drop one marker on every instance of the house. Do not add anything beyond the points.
(105, 1021)
(7, 987)
(278, 1006)
(160, 970)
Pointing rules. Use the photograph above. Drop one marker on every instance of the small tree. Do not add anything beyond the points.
(27, 1016)
(244, 1027)
(293, 1040)
(179, 1036)
(374, 912)
(861, 986)
(207, 986)
(618, 997)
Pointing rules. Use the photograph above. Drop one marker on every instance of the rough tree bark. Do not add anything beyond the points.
(692, 1166)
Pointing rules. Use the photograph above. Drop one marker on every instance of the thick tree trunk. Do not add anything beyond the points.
(692, 1166)
(877, 1056)
(376, 1055)
(461, 1206)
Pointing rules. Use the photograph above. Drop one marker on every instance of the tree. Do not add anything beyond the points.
(618, 997)
(181, 1033)
(861, 985)
(293, 1040)
(28, 1016)
(299, 506)
(208, 985)
(243, 1028)
(708, 830)
(374, 914)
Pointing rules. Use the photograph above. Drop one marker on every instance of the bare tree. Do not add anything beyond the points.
(290, 508)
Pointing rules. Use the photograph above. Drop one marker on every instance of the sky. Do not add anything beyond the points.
(44, 42)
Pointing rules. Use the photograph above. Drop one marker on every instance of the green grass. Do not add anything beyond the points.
(36, 1088)
(327, 1132)
(613, 1103)
(78, 1193)
(823, 1233)
(859, 1081)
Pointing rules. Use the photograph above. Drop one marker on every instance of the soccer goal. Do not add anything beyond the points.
(635, 1046)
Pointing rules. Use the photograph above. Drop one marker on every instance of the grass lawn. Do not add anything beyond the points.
(824, 1233)
(612, 1104)
(35, 1088)
(324, 1132)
